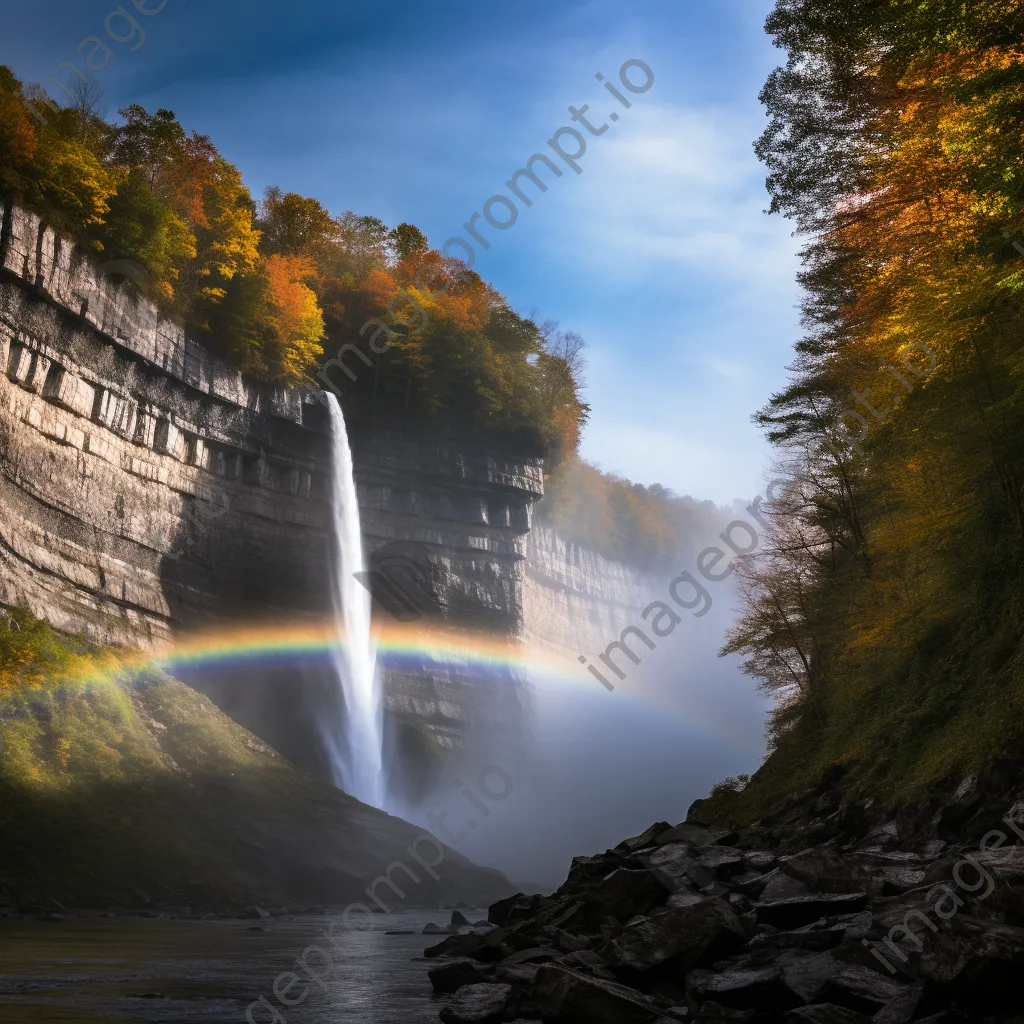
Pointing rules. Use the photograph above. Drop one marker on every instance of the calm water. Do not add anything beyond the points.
(88, 972)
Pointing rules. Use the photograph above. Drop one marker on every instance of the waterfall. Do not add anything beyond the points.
(355, 749)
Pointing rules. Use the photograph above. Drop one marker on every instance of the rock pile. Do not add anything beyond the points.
(896, 922)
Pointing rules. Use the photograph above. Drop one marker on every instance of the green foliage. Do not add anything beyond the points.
(143, 228)
(884, 608)
(116, 782)
(271, 287)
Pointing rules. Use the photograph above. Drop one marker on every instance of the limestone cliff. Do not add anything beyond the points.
(147, 490)
(574, 600)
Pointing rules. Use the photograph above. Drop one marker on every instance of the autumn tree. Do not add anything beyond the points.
(879, 599)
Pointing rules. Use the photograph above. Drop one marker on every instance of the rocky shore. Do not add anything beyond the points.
(826, 912)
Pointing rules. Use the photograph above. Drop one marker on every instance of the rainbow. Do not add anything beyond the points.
(284, 643)
(396, 646)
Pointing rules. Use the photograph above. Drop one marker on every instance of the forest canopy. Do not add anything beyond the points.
(884, 609)
(650, 528)
(270, 286)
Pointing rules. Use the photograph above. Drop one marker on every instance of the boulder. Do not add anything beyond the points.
(521, 975)
(801, 910)
(894, 879)
(449, 977)
(564, 996)
(484, 948)
(535, 954)
(685, 898)
(676, 867)
(817, 940)
(478, 1004)
(585, 869)
(715, 1013)
(514, 908)
(825, 1013)
(977, 960)
(685, 833)
(760, 860)
(680, 938)
(750, 883)
(587, 961)
(861, 988)
(645, 839)
(722, 861)
(751, 988)
(623, 894)
(459, 920)
(826, 869)
(807, 974)
(565, 941)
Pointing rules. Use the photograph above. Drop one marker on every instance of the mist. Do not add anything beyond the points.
(602, 765)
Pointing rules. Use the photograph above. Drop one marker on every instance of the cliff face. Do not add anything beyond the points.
(146, 490)
(574, 600)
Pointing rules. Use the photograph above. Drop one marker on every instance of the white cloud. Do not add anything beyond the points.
(680, 187)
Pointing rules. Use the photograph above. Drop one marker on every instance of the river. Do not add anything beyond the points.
(106, 970)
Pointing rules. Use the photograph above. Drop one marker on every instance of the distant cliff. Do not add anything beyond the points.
(575, 600)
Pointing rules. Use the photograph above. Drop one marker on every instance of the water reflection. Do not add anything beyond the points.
(147, 971)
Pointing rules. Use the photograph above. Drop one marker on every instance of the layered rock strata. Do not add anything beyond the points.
(574, 599)
(147, 490)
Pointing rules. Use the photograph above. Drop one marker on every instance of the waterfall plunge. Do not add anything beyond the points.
(356, 750)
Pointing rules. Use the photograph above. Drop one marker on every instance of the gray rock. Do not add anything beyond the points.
(684, 833)
(801, 910)
(522, 975)
(449, 977)
(750, 883)
(685, 899)
(780, 886)
(895, 879)
(715, 1013)
(683, 936)
(722, 861)
(677, 868)
(587, 961)
(760, 860)
(817, 940)
(751, 988)
(534, 954)
(825, 1013)
(478, 1004)
(806, 975)
(861, 988)
(484, 948)
(826, 869)
(623, 894)
(564, 996)
(646, 838)
(565, 941)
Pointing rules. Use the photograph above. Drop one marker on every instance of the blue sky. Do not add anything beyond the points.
(659, 252)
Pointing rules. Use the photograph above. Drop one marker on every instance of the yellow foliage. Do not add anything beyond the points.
(297, 320)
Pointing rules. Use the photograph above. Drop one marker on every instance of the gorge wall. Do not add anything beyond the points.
(148, 491)
(575, 600)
